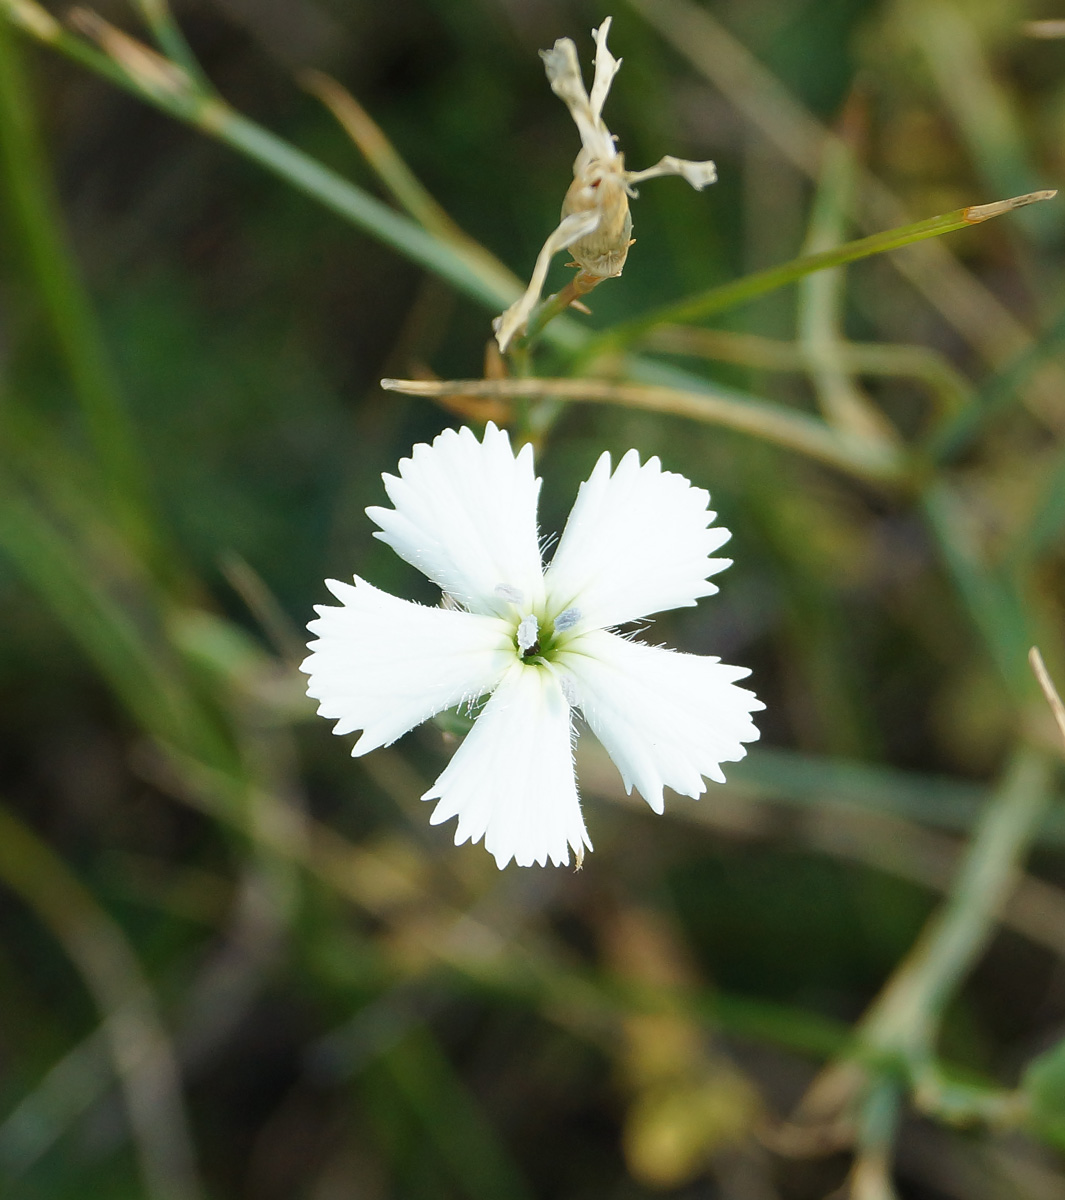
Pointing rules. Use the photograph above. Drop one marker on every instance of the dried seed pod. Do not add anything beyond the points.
(596, 225)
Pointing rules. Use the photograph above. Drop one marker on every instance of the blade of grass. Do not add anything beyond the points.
(992, 598)
(990, 328)
(169, 38)
(821, 301)
(950, 390)
(136, 68)
(65, 1092)
(141, 674)
(406, 189)
(996, 395)
(36, 226)
(982, 109)
(1045, 523)
(740, 291)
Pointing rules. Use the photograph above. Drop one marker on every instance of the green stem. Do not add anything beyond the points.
(950, 391)
(907, 1016)
(169, 38)
(993, 598)
(741, 291)
(870, 1177)
(995, 396)
(821, 300)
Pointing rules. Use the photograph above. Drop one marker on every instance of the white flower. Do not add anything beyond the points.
(596, 224)
(638, 541)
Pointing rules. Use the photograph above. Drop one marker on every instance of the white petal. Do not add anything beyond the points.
(511, 781)
(637, 542)
(666, 719)
(384, 665)
(465, 516)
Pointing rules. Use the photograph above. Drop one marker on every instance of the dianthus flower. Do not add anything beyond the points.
(596, 225)
(537, 642)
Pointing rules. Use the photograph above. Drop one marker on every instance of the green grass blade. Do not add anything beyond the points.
(992, 598)
(996, 395)
(36, 226)
(142, 674)
(749, 287)
(134, 67)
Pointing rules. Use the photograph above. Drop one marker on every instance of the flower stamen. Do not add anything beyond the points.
(567, 619)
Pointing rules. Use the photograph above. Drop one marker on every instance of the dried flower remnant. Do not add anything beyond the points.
(596, 225)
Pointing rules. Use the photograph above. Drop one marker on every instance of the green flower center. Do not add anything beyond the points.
(537, 640)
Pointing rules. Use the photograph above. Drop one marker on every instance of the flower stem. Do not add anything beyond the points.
(907, 1015)
(580, 285)
(771, 422)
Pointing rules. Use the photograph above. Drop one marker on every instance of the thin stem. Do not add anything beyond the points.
(901, 1028)
(996, 395)
(771, 422)
(980, 317)
(950, 390)
(993, 597)
(870, 1177)
(406, 188)
(169, 38)
(580, 285)
(908, 1013)
(749, 287)
(820, 308)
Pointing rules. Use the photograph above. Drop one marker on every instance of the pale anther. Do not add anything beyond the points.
(508, 592)
(567, 619)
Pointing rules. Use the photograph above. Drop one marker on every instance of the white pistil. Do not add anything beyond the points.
(528, 634)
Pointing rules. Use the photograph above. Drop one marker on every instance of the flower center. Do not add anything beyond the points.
(539, 641)
(536, 637)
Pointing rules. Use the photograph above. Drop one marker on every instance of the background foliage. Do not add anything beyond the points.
(235, 962)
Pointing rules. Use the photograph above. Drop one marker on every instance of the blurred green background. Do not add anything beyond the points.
(235, 962)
